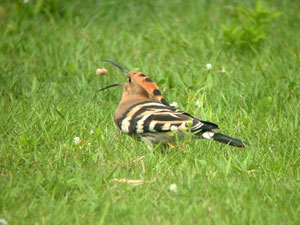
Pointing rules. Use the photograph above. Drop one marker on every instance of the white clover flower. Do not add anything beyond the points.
(208, 66)
(3, 222)
(173, 188)
(25, 1)
(174, 104)
(174, 128)
(92, 132)
(76, 140)
(198, 103)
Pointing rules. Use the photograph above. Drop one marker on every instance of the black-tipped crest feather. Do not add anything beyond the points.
(115, 64)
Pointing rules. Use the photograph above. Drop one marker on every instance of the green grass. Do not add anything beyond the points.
(49, 52)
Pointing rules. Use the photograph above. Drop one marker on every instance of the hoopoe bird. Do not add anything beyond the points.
(144, 113)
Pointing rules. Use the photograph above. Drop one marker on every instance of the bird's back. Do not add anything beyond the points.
(154, 120)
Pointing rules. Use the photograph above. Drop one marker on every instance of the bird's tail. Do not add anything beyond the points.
(224, 139)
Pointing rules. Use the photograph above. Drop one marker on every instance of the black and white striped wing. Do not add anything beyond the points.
(152, 116)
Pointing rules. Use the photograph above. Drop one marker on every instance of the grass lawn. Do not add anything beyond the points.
(49, 52)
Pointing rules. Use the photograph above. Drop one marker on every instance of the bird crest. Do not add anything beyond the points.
(144, 82)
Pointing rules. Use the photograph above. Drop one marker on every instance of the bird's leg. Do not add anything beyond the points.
(179, 146)
(171, 146)
(184, 150)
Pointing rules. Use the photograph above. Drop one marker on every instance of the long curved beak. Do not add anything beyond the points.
(115, 64)
(109, 86)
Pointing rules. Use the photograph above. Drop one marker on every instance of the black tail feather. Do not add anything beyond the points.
(229, 140)
(209, 134)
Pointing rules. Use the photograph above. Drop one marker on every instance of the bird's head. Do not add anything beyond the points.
(138, 85)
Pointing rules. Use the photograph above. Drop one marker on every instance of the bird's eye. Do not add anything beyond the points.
(129, 79)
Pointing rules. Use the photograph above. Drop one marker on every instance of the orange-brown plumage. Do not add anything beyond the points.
(147, 84)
